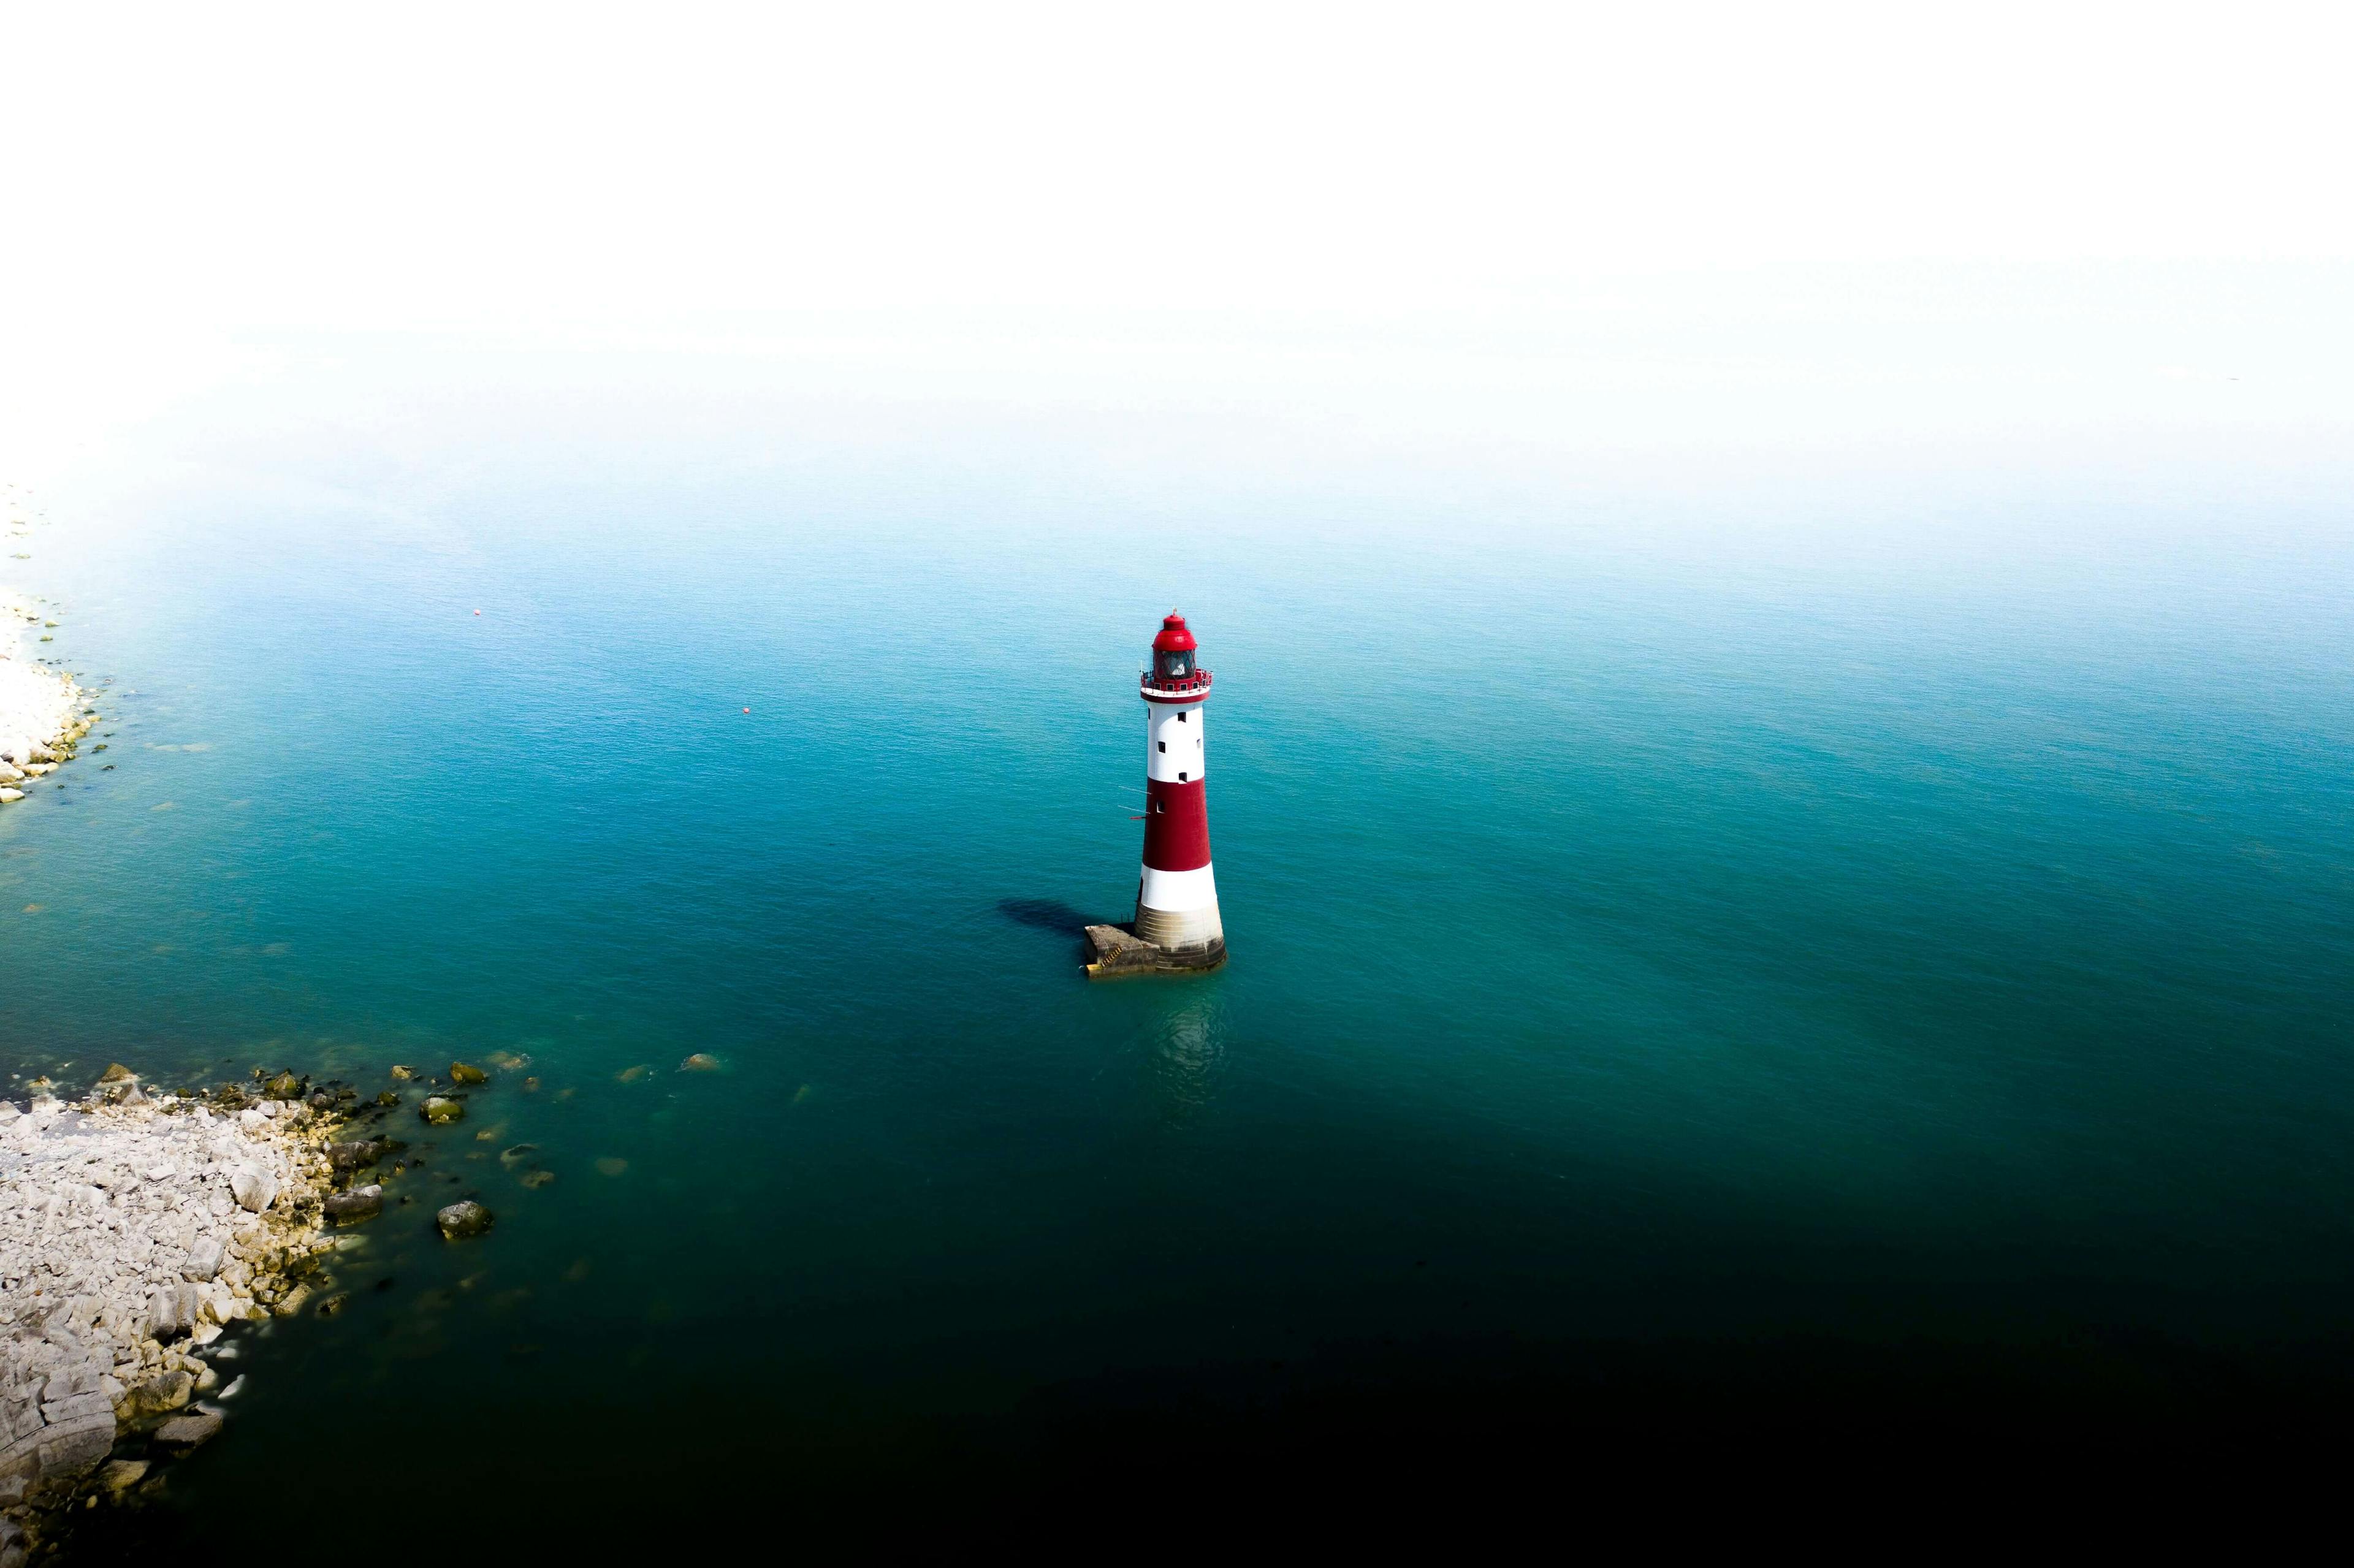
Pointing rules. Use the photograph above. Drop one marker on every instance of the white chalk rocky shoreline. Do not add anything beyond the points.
(140, 1230)
(133, 1229)
(43, 714)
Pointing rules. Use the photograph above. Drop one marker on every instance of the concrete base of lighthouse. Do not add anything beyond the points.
(1118, 950)
(1178, 910)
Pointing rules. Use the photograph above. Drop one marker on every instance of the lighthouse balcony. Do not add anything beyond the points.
(1173, 689)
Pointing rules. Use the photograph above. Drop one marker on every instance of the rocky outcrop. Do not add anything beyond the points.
(43, 715)
(133, 1229)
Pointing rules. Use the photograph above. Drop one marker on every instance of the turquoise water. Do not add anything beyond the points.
(1700, 951)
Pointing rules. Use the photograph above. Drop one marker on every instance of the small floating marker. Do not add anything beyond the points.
(747, 710)
(478, 612)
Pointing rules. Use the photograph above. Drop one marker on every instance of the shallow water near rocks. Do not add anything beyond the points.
(1657, 941)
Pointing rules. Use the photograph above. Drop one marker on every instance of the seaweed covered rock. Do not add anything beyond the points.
(118, 1085)
(350, 1208)
(358, 1153)
(462, 1219)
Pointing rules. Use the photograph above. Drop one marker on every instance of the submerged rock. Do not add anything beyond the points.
(464, 1073)
(358, 1153)
(440, 1110)
(701, 1061)
(538, 1178)
(284, 1087)
(403, 1073)
(518, 1154)
(462, 1219)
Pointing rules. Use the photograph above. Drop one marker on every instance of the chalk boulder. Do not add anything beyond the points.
(254, 1188)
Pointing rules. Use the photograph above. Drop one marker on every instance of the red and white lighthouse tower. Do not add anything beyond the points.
(1177, 897)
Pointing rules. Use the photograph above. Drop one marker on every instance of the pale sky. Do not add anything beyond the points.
(179, 178)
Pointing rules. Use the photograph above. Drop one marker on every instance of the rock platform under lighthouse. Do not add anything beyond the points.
(1120, 951)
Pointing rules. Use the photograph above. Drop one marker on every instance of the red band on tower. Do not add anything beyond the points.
(1176, 825)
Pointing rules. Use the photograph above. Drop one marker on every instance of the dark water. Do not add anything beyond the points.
(1837, 965)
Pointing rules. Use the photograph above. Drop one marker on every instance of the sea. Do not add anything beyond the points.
(1729, 956)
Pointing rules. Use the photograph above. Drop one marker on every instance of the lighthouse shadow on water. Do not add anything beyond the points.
(1042, 914)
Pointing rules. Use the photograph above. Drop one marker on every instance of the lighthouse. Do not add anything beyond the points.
(1176, 925)
(1177, 897)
